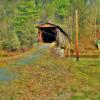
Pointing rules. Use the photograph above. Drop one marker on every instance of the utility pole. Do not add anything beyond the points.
(95, 13)
(77, 48)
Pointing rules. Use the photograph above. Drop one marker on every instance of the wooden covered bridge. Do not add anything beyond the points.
(48, 33)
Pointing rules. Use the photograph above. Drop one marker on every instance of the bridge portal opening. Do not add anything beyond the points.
(48, 35)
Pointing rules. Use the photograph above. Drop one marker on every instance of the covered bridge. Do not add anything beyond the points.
(48, 33)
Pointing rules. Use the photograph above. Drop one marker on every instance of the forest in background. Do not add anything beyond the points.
(18, 19)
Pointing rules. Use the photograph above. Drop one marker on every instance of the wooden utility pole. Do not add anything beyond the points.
(95, 28)
(77, 48)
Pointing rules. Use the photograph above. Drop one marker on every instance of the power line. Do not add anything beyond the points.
(91, 2)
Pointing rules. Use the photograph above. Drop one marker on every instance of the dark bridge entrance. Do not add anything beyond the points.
(49, 35)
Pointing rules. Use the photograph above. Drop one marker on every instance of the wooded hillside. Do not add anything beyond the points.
(18, 19)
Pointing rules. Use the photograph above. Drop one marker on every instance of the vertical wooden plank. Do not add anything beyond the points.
(77, 48)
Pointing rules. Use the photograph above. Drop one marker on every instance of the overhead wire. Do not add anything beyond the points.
(84, 10)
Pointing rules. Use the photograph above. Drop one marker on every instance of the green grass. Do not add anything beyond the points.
(48, 77)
